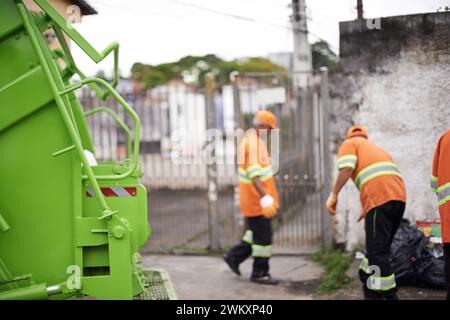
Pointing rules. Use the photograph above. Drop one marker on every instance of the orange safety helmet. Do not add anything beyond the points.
(357, 131)
(265, 117)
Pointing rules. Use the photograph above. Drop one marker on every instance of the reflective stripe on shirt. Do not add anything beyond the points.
(443, 193)
(246, 176)
(375, 170)
(347, 161)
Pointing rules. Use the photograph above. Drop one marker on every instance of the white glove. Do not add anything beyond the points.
(266, 201)
(268, 206)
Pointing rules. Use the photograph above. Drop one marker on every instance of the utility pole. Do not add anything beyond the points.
(359, 8)
(211, 168)
(302, 59)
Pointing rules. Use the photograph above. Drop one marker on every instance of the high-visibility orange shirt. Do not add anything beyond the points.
(440, 182)
(254, 161)
(375, 173)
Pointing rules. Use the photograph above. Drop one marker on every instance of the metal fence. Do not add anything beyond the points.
(300, 223)
(193, 207)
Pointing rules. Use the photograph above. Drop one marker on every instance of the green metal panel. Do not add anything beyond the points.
(48, 223)
(17, 94)
(10, 19)
(36, 197)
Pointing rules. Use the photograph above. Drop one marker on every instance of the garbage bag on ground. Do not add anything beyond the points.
(415, 261)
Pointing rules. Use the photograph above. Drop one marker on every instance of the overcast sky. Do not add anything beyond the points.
(157, 31)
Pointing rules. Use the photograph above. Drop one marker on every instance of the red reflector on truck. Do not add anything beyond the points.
(114, 192)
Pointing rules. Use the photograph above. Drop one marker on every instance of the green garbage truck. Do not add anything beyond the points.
(70, 226)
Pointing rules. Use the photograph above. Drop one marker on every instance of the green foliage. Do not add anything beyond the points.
(323, 56)
(194, 68)
(336, 264)
(258, 64)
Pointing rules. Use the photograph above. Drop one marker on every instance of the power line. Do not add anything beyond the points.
(231, 15)
(217, 12)
(197, 7)
(272, 4)
(120, 9)
(191, 18)
(325, 16)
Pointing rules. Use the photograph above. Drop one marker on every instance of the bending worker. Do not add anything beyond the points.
(440, 183)
(383, 198)
(258, 200)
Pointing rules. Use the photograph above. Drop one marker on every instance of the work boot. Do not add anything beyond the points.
(371, 294)
(267, 279)
(234, 266)
(390, 296)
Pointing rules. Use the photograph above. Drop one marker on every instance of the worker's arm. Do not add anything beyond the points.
(346, 164)
(258, 186)
(267, 202)
(435, 167)
(343, 176)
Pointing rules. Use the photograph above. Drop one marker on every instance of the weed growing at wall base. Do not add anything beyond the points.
(336, 264)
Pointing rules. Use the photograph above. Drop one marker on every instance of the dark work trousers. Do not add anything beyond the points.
(381, 224)
(257, 242)
(447, 267)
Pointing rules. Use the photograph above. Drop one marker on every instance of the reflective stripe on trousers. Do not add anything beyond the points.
(376, 282)
(261, 251)
(257, 249)
(375, 170)
(248, 237)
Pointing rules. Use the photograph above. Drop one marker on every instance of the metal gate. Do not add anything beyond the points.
(193, 205)
(301, 223)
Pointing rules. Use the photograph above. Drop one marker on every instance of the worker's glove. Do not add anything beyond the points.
(331, 204)
(268, 206)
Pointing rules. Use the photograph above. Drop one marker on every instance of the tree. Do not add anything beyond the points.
(323, 56)
(194, 68)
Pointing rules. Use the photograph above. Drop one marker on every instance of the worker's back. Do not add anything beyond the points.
(375, 173)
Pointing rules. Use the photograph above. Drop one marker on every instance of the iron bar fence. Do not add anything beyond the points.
(193, 206)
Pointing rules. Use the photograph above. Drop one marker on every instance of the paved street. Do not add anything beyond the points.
(208, 277)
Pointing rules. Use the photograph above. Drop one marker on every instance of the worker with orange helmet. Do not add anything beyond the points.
(258, 200)
(440, 184)
(383, 198)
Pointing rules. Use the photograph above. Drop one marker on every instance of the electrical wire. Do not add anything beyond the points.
(231, 15)
(217, 12)
(140, 11)
(123, 9)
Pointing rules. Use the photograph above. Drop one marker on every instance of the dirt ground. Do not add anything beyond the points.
(208, 277)
(353, 291)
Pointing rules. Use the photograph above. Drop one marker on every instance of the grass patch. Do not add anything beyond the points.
(336, 264)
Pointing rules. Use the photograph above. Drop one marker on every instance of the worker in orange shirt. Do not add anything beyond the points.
(440, 184)
(258, 200)
(383, 198)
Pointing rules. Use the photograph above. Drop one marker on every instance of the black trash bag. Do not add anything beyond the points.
(432, 268)
(412, 262)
